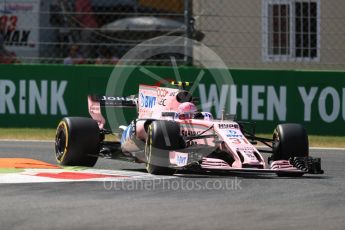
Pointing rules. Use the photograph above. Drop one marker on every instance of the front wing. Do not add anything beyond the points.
(297, 166)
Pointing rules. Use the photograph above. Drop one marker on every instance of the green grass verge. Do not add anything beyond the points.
(27, 134)
(320, 141)
(49, 134)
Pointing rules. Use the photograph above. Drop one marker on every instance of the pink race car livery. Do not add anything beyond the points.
(170, 134)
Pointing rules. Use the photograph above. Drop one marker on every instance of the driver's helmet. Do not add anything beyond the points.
(186, 110)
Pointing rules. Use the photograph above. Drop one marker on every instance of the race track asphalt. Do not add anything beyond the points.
(186, 202)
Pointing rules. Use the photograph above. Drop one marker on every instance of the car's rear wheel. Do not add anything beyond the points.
(162, 137)
(77, 142)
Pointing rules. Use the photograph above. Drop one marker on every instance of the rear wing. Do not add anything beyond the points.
(107, 101)
(95, 102)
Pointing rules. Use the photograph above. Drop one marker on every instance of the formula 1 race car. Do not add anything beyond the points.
(170, 134)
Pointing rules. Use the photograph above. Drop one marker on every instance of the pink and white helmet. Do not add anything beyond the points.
(187, 107)
(186, 110)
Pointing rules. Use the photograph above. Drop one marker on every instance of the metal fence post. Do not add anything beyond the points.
(188, 58)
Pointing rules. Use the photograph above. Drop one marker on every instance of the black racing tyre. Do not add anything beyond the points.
(290, 140)
(76, 139)
(162, 136)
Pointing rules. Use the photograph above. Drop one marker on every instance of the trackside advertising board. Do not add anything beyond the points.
(39, 96)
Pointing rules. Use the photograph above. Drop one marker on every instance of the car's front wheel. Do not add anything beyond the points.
(162, 136)
(290, 140)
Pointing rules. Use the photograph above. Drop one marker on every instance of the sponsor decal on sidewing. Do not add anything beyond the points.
(178, 158)
(181, 159)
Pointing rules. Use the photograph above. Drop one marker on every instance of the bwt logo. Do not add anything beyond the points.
(147, 101)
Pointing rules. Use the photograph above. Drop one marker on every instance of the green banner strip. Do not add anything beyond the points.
(39, 96)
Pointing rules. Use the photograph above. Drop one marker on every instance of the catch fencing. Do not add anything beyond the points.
(85, 31)
(269, 34)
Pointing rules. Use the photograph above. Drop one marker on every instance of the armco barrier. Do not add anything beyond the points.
(39, 96)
